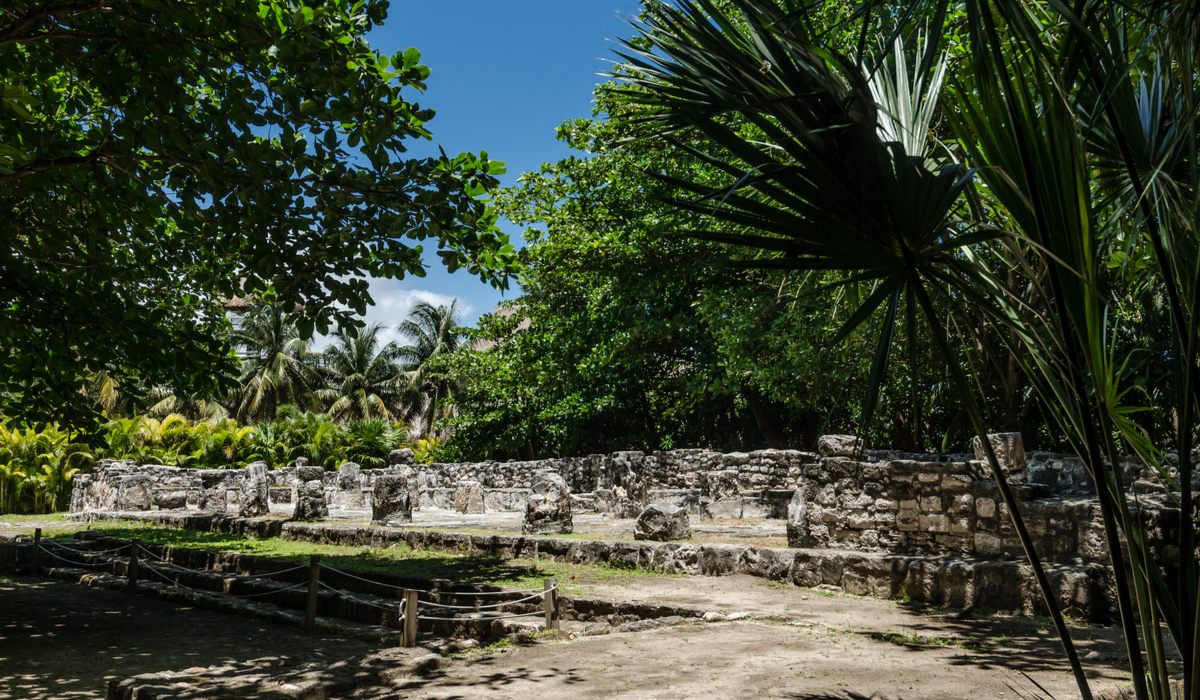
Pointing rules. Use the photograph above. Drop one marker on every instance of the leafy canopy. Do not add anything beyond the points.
(156, 156)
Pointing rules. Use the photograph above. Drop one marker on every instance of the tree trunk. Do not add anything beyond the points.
(760, 417)
(432, 411)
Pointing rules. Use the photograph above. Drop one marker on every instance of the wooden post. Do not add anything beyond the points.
(35, 566)
(132, 569)
(314, 578)
(551, 601)
(410, 618)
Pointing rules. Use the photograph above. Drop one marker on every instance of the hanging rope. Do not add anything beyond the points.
(69, 561)
(82, 551)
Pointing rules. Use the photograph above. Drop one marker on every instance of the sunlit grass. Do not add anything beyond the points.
(398, 558)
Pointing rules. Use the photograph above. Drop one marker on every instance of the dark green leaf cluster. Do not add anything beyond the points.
(159, 157)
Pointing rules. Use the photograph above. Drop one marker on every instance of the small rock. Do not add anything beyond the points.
(714, 617)
(738, 616)
(662, 523)
(596, 628)
(1092, 656)
(427, 664)
(638, 626)
(457, 645)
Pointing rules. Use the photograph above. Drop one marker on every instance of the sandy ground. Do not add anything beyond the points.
(804, 644)
(60, 640)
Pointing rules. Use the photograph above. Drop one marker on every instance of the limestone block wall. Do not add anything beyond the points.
(881, 501)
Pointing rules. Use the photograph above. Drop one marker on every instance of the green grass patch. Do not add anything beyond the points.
(398, 558)
(13, 519)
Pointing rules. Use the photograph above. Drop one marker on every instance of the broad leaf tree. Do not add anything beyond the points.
(157, 156)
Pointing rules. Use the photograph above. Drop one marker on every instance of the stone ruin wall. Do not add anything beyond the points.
(879, 501)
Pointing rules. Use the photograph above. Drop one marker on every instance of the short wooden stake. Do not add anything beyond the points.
(410, 618)
(314, 583)
(551, 601)
(132, 569)
(35, 566)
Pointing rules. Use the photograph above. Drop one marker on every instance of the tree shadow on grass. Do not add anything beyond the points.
(400, 559)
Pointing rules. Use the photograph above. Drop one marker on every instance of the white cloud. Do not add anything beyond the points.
(392, 306)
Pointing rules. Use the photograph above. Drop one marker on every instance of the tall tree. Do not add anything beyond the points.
(435, 334)
(155, 154)
(277, 367)
(363, 375)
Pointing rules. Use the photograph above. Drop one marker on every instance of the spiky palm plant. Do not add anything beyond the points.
(277, 367)
(363, 375)
(1047, 95)
(434, 333)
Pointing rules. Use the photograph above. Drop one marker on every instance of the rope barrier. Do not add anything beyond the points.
(229, 595)
(350, 597)
(83, 551)
(487, 607)
(219, 573)
(71, 561)
(468, 619)
(173, 582)
(432, 591)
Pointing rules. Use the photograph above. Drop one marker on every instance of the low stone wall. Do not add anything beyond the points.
(960, 582)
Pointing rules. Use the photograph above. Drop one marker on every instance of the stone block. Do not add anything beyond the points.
(931, 504)
(886, 504)
(908, 504)
(860, 520)
(468, 498)
(956, 482)
(960, 526)
(720, 485)
(548, 510)
(662, 523)
(310, 501)
(280, 495)
(1009, 449)
(933, 523)
(718, 510)
(303, 473)
(402, 457)
(213, 491)
(797, 519)
(757, 508)
(255, 495)
(135, 492)
(929, 478)
(349, 486)
(985, 507)
(392, 499)
(1092, 541)
(962, 504)
(171, 499)
(839, 445)
(907, 520)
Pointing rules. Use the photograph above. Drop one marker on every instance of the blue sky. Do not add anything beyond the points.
(503, 76)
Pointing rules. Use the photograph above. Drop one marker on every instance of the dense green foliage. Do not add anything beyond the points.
(1047, 244)
(156, 156)
(629, 335)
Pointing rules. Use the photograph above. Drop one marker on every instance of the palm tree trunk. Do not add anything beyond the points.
(433, 401)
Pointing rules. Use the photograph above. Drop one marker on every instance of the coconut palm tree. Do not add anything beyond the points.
(277, 367)
(363, 375)
(1078, 126)
(434, 333)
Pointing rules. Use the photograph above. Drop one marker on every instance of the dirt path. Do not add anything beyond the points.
(61, 640)
(821, 646)
(742, 660)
